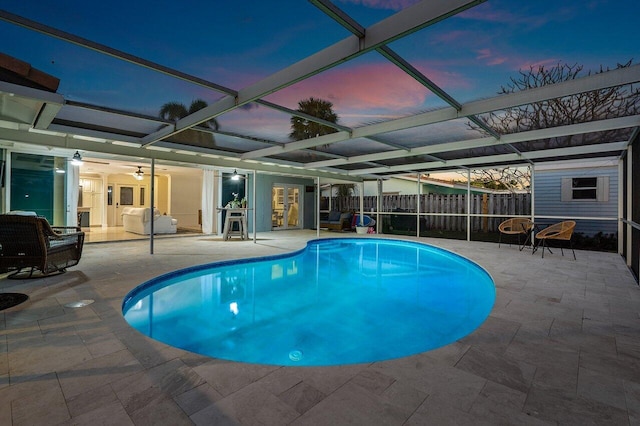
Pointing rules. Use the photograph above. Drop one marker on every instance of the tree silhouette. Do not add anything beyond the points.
(504, 178)
(174, 111)
(302, 128)
(583, 107)
(611, 102)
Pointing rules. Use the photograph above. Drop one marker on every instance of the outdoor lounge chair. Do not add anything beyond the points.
(29, 242)
(337, 221)
(515, 226)
(560, 231)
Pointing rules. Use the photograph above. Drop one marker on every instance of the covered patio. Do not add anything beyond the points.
(559, 347)
(543, 113)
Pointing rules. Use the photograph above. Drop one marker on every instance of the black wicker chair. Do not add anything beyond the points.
(29, 242)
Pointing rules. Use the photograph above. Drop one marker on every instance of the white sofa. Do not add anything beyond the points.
(138, 220)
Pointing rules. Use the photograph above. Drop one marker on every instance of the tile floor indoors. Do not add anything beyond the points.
(561, 346)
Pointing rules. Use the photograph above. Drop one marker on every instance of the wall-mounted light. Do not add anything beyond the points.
(77, 159)
(139, 174)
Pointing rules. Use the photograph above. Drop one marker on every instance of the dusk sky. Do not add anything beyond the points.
(236, 44)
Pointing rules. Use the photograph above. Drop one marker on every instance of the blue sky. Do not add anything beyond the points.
(236, 44)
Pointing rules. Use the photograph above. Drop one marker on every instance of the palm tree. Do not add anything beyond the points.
(302, 128)
(345, 189)
(175, 111)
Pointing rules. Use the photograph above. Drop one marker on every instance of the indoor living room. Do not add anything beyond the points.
(113, 196)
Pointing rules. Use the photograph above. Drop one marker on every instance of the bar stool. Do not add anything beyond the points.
(230, 231)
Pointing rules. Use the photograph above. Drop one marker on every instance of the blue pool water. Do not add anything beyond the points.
(338, 301)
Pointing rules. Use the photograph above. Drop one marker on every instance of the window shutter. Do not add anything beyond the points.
(566, 194)
(602, 191)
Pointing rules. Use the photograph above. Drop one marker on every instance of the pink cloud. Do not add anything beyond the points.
(489, 57)
(370, 86)
(384, 4)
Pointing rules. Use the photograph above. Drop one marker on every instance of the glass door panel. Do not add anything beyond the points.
(285, 207)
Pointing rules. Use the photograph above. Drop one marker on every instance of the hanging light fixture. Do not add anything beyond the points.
(139, 174)
(77, 159)
(235, 176)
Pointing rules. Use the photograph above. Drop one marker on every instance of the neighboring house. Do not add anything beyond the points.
(579, 189)
(405, 185)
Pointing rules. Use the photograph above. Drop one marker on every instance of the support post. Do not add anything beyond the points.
(418, 204)
(152, 195)
(318, 207)
(468, 204)
(255, 204)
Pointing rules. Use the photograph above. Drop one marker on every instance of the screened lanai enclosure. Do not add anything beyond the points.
(416, 104)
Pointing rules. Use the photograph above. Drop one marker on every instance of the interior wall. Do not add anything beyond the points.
(162, 194)
(184, 191)
(186, 199)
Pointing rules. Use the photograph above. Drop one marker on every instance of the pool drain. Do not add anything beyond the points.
(295, 355)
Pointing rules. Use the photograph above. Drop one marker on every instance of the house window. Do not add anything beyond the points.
(595, 188)
(126, 196)
(584, 188)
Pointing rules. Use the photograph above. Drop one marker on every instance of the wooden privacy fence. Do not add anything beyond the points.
(448, 210)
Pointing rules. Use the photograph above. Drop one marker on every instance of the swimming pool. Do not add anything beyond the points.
(337, 301)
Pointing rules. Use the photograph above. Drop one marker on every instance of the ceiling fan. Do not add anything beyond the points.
(139, 174)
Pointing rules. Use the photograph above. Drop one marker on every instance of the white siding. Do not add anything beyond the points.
(549, 187)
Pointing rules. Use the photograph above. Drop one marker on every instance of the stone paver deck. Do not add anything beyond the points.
(561, 346)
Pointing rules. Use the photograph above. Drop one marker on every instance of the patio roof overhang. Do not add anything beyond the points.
(377, 150)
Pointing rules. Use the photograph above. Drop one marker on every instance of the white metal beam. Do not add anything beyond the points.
(499, 158)
(585, 84)
(394, 27)
(572, 129)
(62, 141)
(593, 82)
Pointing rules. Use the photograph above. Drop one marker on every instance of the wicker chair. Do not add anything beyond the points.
(515, 226)
(560, 231)
(29, 242)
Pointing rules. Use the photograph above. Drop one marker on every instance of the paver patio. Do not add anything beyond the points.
(561, 346)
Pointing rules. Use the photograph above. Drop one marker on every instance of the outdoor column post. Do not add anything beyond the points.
(361, 203)
(379, 207)
(7, 179)
(255, 206)
(418, 204)
(629, 213)
(318, 207)
(468, 204)
(152, 207)
(621, 213)
(533, 202)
